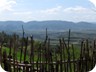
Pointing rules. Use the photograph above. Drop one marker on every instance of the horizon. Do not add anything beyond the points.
(43, 21)
(30, 10)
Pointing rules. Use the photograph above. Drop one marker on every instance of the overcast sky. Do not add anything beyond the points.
(39, 10)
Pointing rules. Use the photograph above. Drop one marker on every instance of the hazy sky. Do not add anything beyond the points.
(29, 10)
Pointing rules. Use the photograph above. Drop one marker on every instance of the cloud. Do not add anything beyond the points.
(23, 13)
(77, 13)
(51, 10)
(93, 2)
(6, 5)
(77, 9)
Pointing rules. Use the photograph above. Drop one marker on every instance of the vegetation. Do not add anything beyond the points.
(43, 55)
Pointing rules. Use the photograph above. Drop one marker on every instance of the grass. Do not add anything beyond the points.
(76, 51)
(36, 55)
(17, 53)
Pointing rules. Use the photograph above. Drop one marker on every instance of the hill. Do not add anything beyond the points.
(41, 25)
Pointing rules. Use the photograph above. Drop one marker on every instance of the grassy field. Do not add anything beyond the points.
(55, 55)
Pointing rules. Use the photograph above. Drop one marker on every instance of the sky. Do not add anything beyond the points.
(39, 10)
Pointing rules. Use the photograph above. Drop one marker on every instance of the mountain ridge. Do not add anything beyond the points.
(42, 25)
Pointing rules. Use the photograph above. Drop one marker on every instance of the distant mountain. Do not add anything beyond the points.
(42, 25)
